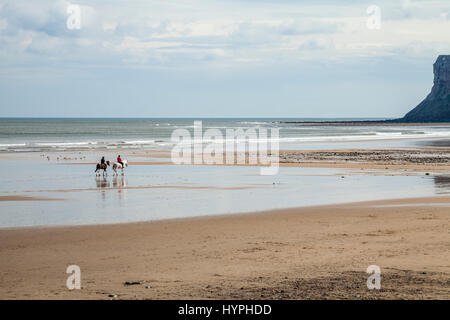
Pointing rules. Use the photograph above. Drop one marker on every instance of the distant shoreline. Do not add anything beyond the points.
(371, 123)
(349, 121)
(312, 119)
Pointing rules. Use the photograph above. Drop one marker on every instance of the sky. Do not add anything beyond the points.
(219, 58)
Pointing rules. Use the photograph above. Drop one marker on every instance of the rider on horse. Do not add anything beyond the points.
(103, 165)
(119, 160)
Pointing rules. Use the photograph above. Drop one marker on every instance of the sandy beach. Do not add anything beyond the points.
(306, 253)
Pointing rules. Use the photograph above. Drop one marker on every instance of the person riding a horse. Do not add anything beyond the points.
(103, 165)
(119, 160)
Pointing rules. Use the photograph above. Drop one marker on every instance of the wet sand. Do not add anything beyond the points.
(318, 164)
(25, 198)
(305, 253)
(423, 158)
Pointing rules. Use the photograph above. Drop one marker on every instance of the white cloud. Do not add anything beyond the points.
(194, 32)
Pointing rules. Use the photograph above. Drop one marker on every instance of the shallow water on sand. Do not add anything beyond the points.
(153, 192)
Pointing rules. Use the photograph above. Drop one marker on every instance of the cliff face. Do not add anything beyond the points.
(436, 106)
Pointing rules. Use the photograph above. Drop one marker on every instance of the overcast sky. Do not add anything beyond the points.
(223, 58)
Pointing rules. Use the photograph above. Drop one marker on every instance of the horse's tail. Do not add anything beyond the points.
(97, 168)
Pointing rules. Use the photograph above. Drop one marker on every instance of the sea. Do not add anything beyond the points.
(66, 134)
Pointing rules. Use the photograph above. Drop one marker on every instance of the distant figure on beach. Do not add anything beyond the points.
(102, 161)
(119, 160)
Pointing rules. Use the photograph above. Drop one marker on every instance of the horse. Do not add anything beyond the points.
(101, 166)
(116, 165)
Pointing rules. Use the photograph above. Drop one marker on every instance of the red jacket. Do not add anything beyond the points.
(119, 159)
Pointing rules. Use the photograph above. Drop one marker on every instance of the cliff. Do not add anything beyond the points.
(436, 106)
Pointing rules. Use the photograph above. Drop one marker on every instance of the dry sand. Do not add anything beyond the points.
(315, 252)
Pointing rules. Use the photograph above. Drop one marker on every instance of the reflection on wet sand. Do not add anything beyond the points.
(119, 183)
(442, 184)
(104, 184)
